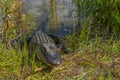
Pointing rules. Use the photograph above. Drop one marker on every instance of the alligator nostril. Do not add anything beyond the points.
(58, 63)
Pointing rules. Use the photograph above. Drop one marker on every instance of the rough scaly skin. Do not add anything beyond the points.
(45, 49)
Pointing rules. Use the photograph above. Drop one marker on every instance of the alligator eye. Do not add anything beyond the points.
(51, 47)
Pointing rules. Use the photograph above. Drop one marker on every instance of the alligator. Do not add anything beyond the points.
(45, 49)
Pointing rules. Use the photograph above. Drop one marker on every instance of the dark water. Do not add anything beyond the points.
(60, 31)
(39, 9)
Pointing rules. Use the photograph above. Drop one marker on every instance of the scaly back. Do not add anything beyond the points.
(41, 38)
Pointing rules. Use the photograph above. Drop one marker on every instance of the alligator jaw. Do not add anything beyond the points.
(51, 59)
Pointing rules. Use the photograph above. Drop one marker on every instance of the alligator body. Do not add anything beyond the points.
(45, 49)
(44, 46)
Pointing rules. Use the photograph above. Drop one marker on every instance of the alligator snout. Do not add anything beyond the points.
(54, 60)
(55, 63)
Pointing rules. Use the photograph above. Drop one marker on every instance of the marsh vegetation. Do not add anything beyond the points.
(94, 42)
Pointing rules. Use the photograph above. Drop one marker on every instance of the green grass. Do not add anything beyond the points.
(10, 61)
(100, 15)
(92, 57)
(96, 60)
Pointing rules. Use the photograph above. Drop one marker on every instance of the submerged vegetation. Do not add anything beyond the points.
(95, 46)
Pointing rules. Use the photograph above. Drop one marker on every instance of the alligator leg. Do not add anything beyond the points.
(19, 42)
(61, 46)
(59, 43)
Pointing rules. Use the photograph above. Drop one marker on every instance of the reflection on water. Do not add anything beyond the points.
(39, 9)
(61, 30)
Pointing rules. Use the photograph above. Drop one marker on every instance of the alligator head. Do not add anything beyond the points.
(48, 53)
(45, 49)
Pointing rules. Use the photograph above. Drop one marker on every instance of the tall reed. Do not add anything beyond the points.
(14, 20)
(103, 15)
(53, 15)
